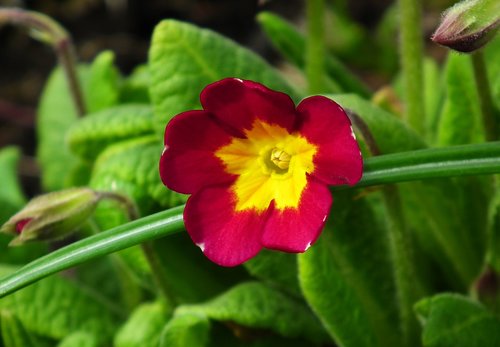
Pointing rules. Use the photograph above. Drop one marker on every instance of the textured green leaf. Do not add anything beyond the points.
(92, 134)
(277, 268)
(391, 134)
(292, 45)
(347, 280)
(452, 320)
(186, 329)
(183, 59)
(55, 308)
(79, 339)
(255, 305)
(460, 120)
(131, 168)
(103, 84)
(143, 328)
(14, 334)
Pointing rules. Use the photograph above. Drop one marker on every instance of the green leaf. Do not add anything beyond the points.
(452, 320)
(276, 268)
(391, 134)
(103, 85)
(194, 278)
(460, 120)
(292, 45)
(492, 56)
(183, 59)
(186, 329)
(91, 135)
(143, 328)
(346, 277)
(56, 307)
(255, 305)
(79, 339)
(11, 195)
(14, 334)
(135, 88)
(56, 114)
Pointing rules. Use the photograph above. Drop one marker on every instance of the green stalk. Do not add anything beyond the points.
(411, 55)
(49, 31)
(490, 123)
(148, 228)
(405, 278)
(477, 159)
(315, 48)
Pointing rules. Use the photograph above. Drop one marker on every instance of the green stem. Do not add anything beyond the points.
(49, 31)
(392, 168)
(407, 286)
(411, 52)
(113, 240)
(315, 49)
(405, 277)
(485, 101)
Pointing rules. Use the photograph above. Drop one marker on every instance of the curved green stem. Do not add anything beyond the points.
(392, 168)
(411, 52)
(49, 31)
(124, 236)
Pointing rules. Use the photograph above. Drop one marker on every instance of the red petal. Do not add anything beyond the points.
(188, 162)
(324, 123)
(294, 230)
(239, 103)
(227, 238)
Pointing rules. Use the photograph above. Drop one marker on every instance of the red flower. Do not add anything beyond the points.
(257, 168)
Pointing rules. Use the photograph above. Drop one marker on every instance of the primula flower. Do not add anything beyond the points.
(257, 168)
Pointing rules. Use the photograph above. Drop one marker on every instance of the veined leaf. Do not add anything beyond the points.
(135, 87)
(55, 308)
(452, 320)
(346, 277)
(183, 59)
(89, 136)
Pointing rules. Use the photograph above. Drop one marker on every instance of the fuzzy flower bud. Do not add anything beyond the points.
(468, 25)
(52, 216)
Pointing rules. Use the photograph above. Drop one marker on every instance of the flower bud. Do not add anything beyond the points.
(487, 289)
(52, 216)
(468, 25)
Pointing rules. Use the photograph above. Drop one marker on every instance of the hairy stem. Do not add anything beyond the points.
(49, 31)
(490, 122)
(411, 55)
(405, 278)
(315, 49)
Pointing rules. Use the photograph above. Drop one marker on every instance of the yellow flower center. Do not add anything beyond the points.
(271, 164)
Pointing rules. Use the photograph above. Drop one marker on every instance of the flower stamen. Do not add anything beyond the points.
(280, 158)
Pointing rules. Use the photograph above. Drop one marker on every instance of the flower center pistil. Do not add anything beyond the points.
(280, 158)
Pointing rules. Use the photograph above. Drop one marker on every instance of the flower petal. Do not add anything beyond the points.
(188, 162)
(324, 123)
(227, 237)
(238, 103)
(294, 230)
